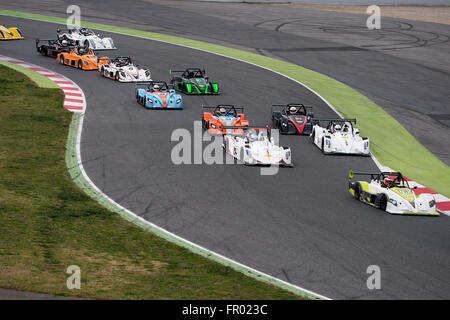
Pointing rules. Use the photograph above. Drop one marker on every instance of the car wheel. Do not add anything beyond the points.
(116, 77)
(383, 202)
(86, 44)
(80, 64)
(241, 155)
(205, 125)
(61, 59)
(323, 144)
(313, 136)
(357, 188)
(274, 123)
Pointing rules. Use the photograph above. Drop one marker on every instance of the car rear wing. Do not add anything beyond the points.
(148, 83)
(316, 120)
(181, 71)
(175, 71)
(225, 106)
(351, 173)
(267, 128)
(292, 104)
(373, 176)
(59, 29)
(39, 40)
(245, 128)
(101, 49)
(308, 109)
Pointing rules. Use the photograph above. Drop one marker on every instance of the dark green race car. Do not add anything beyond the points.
(193, 81)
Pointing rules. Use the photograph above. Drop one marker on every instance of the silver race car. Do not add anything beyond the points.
(86, 37)
(124, 70)
(339, 136)
(255, 146)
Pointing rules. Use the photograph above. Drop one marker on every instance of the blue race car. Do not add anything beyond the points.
(158, 95)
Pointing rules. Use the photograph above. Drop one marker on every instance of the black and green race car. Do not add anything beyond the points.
(193, 81)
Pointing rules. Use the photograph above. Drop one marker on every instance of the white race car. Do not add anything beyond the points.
(339, 136)
(255, 146)
(122, 69)
(87, 38)
(389, 191)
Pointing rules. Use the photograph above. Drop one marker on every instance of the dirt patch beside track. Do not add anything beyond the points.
(437, 14)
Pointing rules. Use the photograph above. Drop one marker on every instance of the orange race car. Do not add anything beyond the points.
(82, 59)
(224, 115)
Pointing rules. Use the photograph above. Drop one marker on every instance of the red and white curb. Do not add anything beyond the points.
(442, 202)
(74, 97)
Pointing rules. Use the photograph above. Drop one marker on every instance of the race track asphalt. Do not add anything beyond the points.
(300, 225)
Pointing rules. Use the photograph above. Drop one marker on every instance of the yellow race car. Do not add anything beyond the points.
(10, 33)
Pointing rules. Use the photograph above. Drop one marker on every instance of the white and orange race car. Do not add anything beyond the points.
(123, 69)
(81, 58)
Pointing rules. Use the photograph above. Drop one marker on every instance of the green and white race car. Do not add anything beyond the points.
(390, 192)
(193, 81)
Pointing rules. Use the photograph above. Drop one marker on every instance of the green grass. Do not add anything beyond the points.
(36, 77)
(47, 223)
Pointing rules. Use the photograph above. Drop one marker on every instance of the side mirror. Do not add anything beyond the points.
(415, 187)
(351, 175)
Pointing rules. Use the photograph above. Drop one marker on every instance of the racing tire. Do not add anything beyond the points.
(358, 190)
(61, 59)
(80, 64)
(242, 156)
(313, 136)
(383, 202)
(86, 44)
(116, 77)
(205, 125)
(275, 122)
(323, 145)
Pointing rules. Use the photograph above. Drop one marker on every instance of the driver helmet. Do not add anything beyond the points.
(156, 87)
(388, 182)
(345, 127)
(292, 110)
(222, 111)
(337, 127)
(64, 42)
(82, 51)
